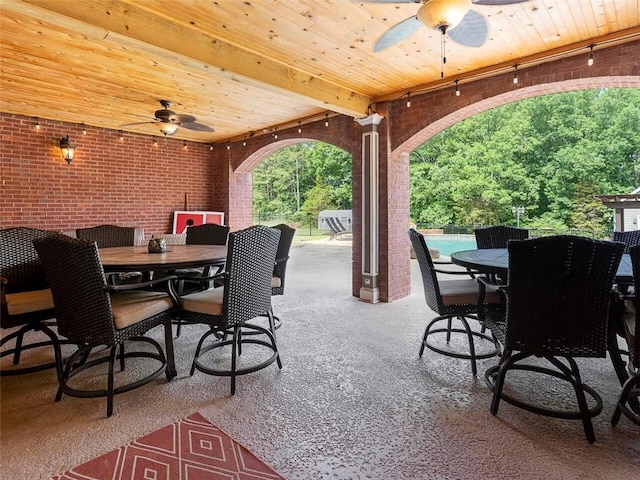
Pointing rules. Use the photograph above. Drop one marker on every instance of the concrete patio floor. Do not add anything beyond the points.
(353, 401)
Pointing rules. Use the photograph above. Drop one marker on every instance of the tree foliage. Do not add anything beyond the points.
(550, 154)
(305, 177)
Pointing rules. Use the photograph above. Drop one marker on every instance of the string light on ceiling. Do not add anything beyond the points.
(515, 74)
(457, 89)
(590, 59)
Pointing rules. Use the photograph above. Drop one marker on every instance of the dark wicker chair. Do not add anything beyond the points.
(630, 238)
(191, 279)
(26, 303)
(557, 306)
(280, 267)
(107, 236)
(498, 236)
(246, 295)
(452, 299)
(92, 313)
(631, 388)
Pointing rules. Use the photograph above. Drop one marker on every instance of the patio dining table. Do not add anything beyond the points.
(138, 258)
(496, 261)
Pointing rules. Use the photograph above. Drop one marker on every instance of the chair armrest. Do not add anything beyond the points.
(451, 272)
(138, 286)
(217, 276)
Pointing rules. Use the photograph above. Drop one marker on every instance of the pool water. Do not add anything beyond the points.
(446, 244)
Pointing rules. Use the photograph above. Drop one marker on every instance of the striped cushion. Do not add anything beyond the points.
(208, 302)
(27, 302)
(133, 306)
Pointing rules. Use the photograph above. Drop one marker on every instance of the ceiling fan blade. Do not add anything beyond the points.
(471, 31)
(397, 33)
(197, 127)
(497, 2)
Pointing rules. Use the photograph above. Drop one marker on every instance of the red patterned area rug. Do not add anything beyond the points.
(190, 449)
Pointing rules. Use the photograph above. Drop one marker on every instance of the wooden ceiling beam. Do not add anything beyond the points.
(225, 59)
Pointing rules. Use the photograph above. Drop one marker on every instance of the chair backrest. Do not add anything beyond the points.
(634, 344)
(108, 235)
(19, 262)
(498, 236)
(250, 257)
(77, 281)
(427, 270)
(207, 234)
(282, 255)
(630, 238)
(558, 295)
(172, 238)
(20, 271)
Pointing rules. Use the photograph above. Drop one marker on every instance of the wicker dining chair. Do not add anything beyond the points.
(452, 299)
(631, 388)
(192, 279)
(26, 304)
(280, 267)
(107, 236)
(557, 306)
(497, 236)
(92, 312)
(629, 238)
(246, 295)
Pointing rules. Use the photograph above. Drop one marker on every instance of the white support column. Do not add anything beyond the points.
(370, 156)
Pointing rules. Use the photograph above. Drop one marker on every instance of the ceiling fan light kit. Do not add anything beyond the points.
(443, 14)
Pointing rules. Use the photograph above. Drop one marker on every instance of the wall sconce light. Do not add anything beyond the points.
(121, 135)
(155, 141)
(84, 129)
(590, 59)
(515, 74)
(228, 146)
(275, 133)
(184, 144)
(457, 89)
(37, 123)
(326, 120)
(211, 147)
(299, 128)
(68, 151)
(408, 99)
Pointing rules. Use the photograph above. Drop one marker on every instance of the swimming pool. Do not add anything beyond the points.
(446, 244)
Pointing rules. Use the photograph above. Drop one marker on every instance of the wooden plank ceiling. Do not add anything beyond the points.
(253, 65)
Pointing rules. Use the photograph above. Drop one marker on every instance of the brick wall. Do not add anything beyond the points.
(128, 182)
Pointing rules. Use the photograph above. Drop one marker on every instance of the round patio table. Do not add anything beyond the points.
(496, 261)
(119, 259)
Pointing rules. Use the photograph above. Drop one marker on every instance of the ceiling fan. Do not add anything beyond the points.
(168, 121)
(452, 17)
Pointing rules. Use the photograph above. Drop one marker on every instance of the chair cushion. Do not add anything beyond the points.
(276, 282)
(208, 302)
(27, 302)
(465, 292)
(135, 305)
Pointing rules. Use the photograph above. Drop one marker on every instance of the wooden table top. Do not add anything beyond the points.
(177, 256)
